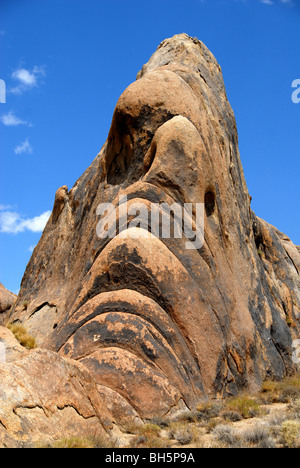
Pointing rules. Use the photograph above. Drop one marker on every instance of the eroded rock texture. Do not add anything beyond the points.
(44, 397)
(7, 299)
(161, 327)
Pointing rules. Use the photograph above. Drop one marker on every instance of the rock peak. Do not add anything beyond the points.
(160, 326)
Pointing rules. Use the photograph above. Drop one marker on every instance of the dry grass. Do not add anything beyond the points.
(183, 433)
(290, 434)
(210, 409)
(285, 391)
(148, 442)
(147, 436)
(79, 443)
(227, 436)
(245, 405)
(22, 335)
(73, 442)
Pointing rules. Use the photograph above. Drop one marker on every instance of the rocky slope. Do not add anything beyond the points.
(161, 327)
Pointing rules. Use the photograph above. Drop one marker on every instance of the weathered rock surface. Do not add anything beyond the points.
(160, 326)
(44, 397)
(7, 299)
(10, 348)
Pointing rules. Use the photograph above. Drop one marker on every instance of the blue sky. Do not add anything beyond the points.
(66, 62)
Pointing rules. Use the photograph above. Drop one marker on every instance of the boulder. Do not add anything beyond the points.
(45, 398)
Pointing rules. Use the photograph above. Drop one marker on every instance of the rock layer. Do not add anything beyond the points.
(160, 326)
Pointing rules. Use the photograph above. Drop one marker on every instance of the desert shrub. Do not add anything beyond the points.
(163, 423)
(267, 443)
(226, 434)
(290, 434)
(191, 416)
(212, 423)
(149, 429)
(284, 391)
(149, 440)
(184, 437)
(184, 433)
(181, 433)
(209, 410)
(148, 436)
(255, 435)
(22, 335)
(233, 416)
(294, 410)
(145, 433)
(277, 418)
(247, 406)
(131, 428)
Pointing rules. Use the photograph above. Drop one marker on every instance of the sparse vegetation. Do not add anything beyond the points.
(227, 436)
(245, 405)
(181, 432)
(256, 435)
(192, 416)
(233, 416)
(148, 436)
(22, 335)
(219, 424)
(290, 434)
(79, 443)
(284, 391)
(210, 410)
(161, 422)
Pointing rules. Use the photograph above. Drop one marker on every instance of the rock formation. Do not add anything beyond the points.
(7, 299)
(159, 326)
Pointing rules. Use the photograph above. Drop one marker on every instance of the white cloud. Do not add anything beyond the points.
(24, 147)
(11, 120)
(272, 2)
(12, 223)
(26, 79)
(31, 248)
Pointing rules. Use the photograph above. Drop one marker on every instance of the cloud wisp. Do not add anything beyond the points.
(26, 79)
(272, 2)
(12, 222)
(24, 147)
(11, 120)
